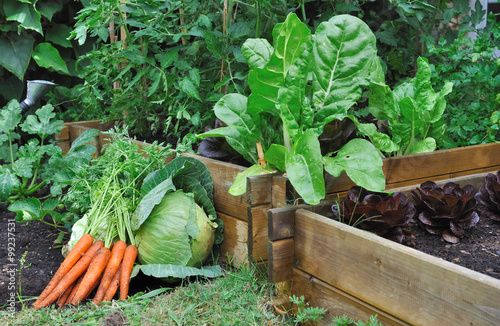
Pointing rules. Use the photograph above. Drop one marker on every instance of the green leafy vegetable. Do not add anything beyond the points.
(411, 110)
(299, 86)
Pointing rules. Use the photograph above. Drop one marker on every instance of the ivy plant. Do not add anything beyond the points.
(298, 86)
(33, 43)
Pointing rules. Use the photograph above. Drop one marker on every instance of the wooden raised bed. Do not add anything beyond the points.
(245, 217)
(356, 273)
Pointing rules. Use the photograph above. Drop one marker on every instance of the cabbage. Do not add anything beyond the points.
(176, 232)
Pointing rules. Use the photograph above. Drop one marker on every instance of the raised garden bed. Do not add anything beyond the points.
(353, 272)
(245, 216)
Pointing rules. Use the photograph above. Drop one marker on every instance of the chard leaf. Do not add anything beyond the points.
(257, 52)
(176, 271)
(381, 141)
(275, 155)
(241, 133)
(362, 163)
(292, 103)
(239, 186)
(343, 53)
(422, 146)
(265, 85)
(304, 168)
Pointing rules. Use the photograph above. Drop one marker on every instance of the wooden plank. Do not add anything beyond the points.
(281, 222)
(279, 187)
(280, 260)
(410, 285)
(223, 174)
(442, 162)
(258, 234)
(338, 303)
(417, 168)
(234, 248)
(476, 180)
(259, 189)
(492, 169)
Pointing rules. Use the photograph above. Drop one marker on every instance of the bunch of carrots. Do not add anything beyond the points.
(88, 266)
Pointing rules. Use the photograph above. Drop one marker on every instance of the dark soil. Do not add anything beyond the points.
(479, 251)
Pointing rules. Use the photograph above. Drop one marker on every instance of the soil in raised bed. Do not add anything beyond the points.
(479, 250)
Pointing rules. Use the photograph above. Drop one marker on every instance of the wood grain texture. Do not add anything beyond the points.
(234, 248)
(257, 237)
(338, 303)
(259, 189)
(410, 285)
(280, 260)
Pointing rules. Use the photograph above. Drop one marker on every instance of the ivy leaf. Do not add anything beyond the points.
(24, 13)
(47, 56)
(59, 34)
(16, 53)
(42, 126)
(49, 8)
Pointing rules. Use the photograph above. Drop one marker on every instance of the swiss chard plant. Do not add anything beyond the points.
(411, 110)
(298, 86)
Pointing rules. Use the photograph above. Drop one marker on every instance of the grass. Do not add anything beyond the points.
(239, 297)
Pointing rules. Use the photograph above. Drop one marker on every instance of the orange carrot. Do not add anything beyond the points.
(114, 262)
(64, 297)
(78, 269)
(77, 284)
(93, 287)
(95, 269)
(113, 286)
(127, 265)
(74, 255)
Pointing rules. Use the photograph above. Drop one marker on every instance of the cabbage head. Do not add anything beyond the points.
(177, 232)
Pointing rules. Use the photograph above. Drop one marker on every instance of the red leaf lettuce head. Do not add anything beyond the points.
(387, 215)
(447, 210)
(488, 197)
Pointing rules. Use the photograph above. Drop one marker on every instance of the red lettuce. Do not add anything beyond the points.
(488, 197)
(387, 215)
(447, 210)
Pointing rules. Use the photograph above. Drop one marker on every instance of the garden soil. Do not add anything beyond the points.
(479, 251)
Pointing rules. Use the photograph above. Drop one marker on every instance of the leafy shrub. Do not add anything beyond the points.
(474, 69)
